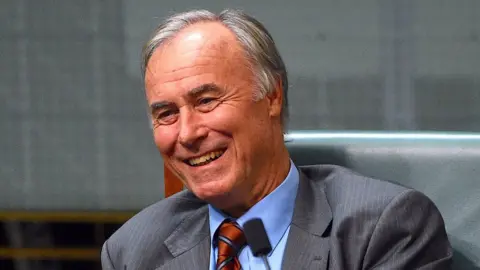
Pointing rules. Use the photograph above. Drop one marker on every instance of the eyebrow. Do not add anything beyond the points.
(204, 88)
(194, 92)
(159, 105)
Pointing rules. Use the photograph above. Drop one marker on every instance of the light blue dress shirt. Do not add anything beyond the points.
(276, 211)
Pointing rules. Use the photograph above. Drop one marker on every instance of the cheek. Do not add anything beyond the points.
(222, 120)
(164, 138)
(232, 115)
(245, 124)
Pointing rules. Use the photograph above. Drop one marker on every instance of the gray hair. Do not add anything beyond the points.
(254, 38)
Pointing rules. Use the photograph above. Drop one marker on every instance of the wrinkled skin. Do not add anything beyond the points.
(200, 89)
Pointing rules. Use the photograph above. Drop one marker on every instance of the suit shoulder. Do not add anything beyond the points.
(152, 225)
(347, 190)
(365, 215)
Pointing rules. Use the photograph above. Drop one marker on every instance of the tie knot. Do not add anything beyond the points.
(232, 235)
(230, 241)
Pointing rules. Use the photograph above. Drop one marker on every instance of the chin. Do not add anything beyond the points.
(213, 193)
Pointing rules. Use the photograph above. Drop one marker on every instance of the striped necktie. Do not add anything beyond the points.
(230, 241)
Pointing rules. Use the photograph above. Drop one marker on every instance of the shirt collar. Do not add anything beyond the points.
(275, 210)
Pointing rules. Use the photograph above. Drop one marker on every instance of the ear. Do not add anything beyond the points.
(275, 100)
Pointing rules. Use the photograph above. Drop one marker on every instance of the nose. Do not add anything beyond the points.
(192, 131)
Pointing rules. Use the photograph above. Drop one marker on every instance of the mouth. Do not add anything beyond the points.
(205, 159)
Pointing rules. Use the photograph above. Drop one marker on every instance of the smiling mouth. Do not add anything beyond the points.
(205, 159)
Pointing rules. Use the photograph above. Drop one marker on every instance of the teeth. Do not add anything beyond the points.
(205, 158)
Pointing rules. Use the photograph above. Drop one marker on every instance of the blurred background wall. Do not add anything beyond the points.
(74, 133)
(73, 114)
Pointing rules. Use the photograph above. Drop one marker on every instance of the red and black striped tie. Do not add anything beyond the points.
(230, 241)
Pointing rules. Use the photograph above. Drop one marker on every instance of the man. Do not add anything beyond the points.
(216, 86)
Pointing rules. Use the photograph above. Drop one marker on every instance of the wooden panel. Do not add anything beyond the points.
(63, 216)
(50, 253)
(172, 183)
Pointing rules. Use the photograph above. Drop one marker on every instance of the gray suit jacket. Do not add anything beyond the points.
(341, 220)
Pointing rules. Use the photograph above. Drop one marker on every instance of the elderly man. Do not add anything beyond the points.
(216, 86)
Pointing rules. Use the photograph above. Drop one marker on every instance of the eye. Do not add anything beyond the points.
(166, 117)
(207, 104)
(204, 101)
(165, 114)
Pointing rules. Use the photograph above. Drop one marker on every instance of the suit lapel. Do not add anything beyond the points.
(305, 251)
(308, 240)
(198, 257)
(189, 244)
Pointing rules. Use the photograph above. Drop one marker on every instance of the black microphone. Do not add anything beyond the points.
(257, 239)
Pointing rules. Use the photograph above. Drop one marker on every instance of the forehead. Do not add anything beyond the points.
(200, 48)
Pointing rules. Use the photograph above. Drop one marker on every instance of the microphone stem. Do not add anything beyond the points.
(265, 261)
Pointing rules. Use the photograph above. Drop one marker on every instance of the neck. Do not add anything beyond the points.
(276, 170)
